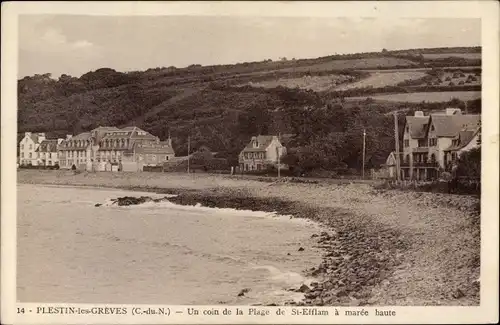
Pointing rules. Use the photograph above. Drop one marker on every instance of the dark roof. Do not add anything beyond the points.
(464, 137)
(154, 148)
(130, 132)
(417, 126)
(47, 146)
(263, 142)
(36, 136)
(451, 125)
(82, 136)
(66, 144)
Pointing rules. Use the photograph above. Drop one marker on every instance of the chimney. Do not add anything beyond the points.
(419, 113)
(68, 136)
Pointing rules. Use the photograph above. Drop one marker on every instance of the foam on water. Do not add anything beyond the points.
(200, 208)
(155, 253)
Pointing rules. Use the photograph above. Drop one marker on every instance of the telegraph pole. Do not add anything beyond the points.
(189, 150)
(364, 146)
(279, 173)
(396, 138)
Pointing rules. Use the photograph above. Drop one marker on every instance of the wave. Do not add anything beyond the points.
(286, 277)
(193, 208)
(200, 208)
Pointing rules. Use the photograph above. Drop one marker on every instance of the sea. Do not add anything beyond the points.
(69, 250)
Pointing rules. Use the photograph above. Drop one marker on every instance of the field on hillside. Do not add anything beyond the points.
(474, 56)
(458, 78)
(368, 63)
(425, 96)
(382, 79)
(315, 83)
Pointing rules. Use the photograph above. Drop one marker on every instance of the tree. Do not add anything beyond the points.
(469, 164)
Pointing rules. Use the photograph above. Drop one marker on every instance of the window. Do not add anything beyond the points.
(166, 157)
(31, 146)
(432, 142)
(22, 147)
(421, 143)
(432, 127)
(407, 143)
(30, 155)
(22, 154)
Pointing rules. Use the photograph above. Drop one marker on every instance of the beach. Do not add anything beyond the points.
(381, 247)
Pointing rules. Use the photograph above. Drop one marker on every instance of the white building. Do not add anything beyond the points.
(426, 140)
(47, 152)
(28, 146)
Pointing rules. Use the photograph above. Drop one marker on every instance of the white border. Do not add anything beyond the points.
(486, 10)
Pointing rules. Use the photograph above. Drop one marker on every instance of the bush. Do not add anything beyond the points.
(469, 164)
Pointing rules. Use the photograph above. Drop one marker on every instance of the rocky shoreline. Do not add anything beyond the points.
(381, 247)
(357, 256)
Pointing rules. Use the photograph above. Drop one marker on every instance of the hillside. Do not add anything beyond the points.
(324, 102)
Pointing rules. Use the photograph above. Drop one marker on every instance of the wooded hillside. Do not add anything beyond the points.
(217, 108)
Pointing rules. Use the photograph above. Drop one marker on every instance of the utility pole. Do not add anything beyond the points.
(279, 169)
(364, 146)
(396, 139)
(189, 150)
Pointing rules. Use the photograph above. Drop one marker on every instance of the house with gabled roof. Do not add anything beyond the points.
(426, 139)
(468, 138)
(444, 128)
(263, 151)
(28, 154)
(415, 148)
(105, 147)
(47, 152)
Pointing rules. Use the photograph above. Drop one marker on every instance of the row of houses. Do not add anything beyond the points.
(130, 149)
(433, 143)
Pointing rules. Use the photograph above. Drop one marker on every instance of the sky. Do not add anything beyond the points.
(74, 45)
